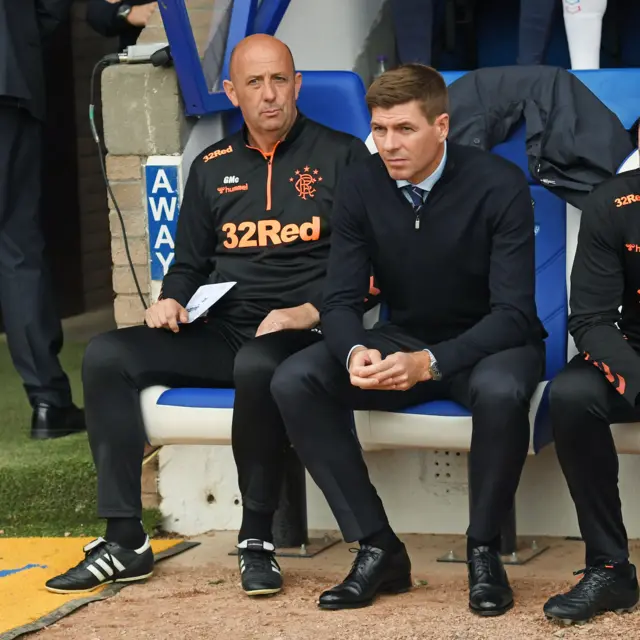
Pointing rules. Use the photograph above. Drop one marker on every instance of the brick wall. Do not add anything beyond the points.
(88, 48)
(125, 175)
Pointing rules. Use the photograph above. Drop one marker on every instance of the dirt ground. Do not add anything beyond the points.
(197, 596)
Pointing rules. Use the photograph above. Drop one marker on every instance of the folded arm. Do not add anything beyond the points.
(511, 286)
(597, 287)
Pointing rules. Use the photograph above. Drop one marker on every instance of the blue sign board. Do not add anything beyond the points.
(163, 185)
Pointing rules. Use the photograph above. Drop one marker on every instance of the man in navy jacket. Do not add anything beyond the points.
(449, 233)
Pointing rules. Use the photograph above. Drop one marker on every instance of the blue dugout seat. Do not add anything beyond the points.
(336, 98)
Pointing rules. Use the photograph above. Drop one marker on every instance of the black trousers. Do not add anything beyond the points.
(119, 364)
(32, 324)
(316, 399)
(583, 405)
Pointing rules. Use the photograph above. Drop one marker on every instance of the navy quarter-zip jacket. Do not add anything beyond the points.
(460, 280)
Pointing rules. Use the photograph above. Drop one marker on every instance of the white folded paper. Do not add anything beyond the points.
(205, 297)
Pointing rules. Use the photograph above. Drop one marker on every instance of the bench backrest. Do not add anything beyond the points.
(333, 98)
(550, 229)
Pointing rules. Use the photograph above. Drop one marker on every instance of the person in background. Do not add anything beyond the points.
(123, 18)
(413, 22)
(31, 321)
(536, 20)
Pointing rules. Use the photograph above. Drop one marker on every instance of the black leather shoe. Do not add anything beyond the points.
(374, 571)
(489, 590)
(55, 422)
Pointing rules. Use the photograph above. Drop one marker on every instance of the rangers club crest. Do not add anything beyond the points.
(305, 180)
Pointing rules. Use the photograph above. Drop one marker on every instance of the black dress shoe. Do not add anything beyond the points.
(374, 571)
(55, 422)
(489, 590)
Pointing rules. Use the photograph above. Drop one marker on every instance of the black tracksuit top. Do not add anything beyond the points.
(260, 219)
(605, 283)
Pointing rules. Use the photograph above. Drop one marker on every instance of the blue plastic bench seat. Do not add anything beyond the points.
(183, 416)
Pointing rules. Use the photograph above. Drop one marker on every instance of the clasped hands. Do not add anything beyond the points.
(397, 372)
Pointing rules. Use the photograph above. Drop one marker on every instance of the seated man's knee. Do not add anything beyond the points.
(502, 392)
(302, 374)
(287, 381)
(254, 367)
(574, 394)
(104, 354)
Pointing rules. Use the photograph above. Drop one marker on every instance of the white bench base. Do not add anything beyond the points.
(377, 430)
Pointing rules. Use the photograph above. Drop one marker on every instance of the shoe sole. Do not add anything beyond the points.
(263, 592)
(566, 622)
(491, 613)
(102, 584)
(396, 587)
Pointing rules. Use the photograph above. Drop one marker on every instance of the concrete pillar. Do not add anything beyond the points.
(143, 116)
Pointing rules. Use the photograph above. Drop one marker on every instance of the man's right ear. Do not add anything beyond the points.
(230, 91)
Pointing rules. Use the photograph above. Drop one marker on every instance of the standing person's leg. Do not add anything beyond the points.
(32, 324)
(536, 19)
(413, 23)
(498, 392)
(259, 444)
(583, 24)
(317, 400)
(117, 366)
(583, 405)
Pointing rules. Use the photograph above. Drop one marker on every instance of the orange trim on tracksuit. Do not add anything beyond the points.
(269, 158)
(618, 381)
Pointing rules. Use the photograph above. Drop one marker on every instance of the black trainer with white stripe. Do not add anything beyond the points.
(259, 570)
(105, 562)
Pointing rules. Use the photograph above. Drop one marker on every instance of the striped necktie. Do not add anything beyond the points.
(417, 196)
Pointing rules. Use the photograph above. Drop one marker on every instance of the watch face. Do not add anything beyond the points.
(123, 11)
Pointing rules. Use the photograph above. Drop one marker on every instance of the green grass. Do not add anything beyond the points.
(47, 488)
